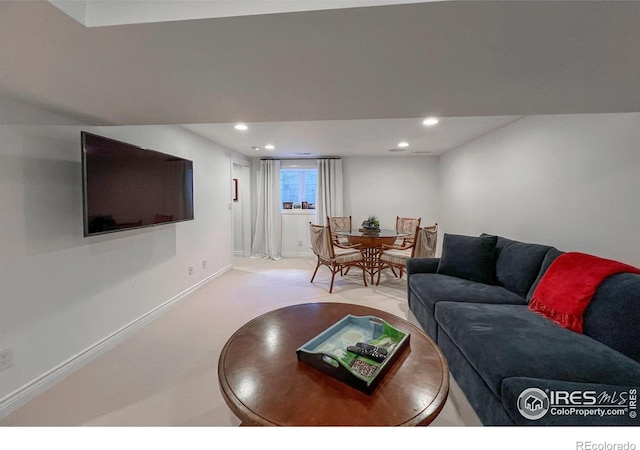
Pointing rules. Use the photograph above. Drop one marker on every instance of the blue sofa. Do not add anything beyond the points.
(509, 360)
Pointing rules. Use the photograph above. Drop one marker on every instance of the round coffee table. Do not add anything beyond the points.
(263, 382)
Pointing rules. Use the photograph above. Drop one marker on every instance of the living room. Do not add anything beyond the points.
(567, 179)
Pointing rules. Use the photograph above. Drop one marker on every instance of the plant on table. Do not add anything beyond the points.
(371, 223)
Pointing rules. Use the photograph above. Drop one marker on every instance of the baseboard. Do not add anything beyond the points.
(297, 254)
(34, 388)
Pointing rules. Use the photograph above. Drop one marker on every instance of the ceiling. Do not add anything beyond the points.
(371, 137)
(95, 13)
(332, 82)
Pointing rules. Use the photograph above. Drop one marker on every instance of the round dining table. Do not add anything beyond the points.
(371, 243)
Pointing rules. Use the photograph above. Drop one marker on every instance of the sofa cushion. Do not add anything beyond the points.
(518, 264)
(432, 288)
(485, 404)
(549, 257)
(468, 257)
(427, 289)
(502, 341)
(613, 315)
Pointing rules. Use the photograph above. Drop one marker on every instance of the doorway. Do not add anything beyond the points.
(241, 209)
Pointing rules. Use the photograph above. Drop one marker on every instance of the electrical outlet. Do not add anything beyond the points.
(6, 359)
(190, 270)
(299, 243)
(204, 263)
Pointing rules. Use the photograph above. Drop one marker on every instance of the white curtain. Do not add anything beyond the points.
(267, 241)
(330, 199)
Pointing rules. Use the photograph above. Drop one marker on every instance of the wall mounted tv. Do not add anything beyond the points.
(125, 186)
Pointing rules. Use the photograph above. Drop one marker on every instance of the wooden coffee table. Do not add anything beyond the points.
(263, 382)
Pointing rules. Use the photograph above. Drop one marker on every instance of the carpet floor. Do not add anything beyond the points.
(165, 374)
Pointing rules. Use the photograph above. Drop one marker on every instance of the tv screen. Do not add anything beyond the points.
(126, 186)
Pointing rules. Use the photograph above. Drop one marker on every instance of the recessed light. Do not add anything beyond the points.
(269, 147)
(241, 127)
(430, 121)
(255, 148)
(403, 144)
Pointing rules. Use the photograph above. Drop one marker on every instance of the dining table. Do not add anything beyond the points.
(371, 242)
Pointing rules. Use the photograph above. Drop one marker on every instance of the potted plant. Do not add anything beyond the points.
(371, 223)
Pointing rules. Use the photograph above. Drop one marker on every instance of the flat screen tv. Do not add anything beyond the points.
(125, 186)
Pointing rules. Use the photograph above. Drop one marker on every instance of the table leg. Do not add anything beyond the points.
(372, 261)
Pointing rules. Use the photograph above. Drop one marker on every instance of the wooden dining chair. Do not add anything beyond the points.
(396, 256)
(339, 223)
(335, 257)
(426, 242)
(406, 226)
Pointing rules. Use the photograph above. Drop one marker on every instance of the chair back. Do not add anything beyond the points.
(412, 241)
(339, 223)
(321, 243)
(407, 226)
(426, 240)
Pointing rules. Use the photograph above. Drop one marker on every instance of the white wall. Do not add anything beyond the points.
(571, 181)
(296, 241)
(63, 297)
(387, 187)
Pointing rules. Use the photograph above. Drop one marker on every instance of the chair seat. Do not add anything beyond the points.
(395, 256)
(344, 255)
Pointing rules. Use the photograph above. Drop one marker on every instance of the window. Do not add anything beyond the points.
(298, 187)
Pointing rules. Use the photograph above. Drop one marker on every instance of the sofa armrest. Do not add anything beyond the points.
(592, 404)
(422, 265)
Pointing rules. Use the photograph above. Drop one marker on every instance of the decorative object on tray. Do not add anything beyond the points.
(357, 350)
(371, 224)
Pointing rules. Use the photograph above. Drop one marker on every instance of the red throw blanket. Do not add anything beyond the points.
(566, 288)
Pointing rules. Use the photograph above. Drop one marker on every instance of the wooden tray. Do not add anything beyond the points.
(328, 352)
